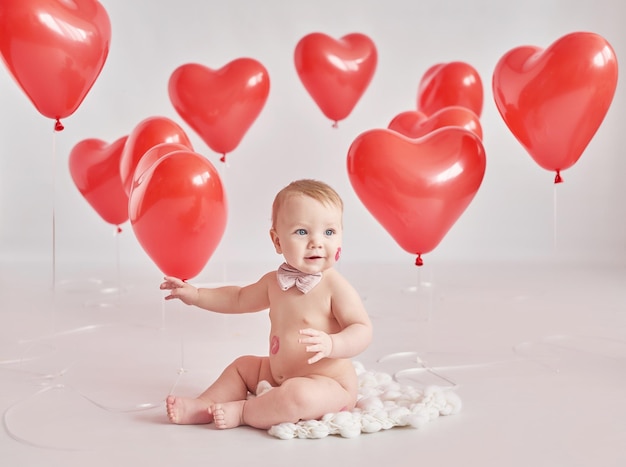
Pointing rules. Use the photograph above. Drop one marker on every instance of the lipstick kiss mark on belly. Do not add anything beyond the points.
(274, 345)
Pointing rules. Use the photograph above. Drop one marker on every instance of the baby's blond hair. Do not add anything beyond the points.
(315, 189)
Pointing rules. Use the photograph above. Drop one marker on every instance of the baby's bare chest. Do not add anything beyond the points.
(293, 310)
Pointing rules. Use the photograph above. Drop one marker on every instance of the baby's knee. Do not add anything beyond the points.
(248, 361)
(300, 396)
(250, 367)
(244, 360)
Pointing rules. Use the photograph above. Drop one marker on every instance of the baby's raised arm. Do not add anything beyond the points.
(227, 299)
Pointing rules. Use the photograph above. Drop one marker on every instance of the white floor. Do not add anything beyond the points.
(536, 353)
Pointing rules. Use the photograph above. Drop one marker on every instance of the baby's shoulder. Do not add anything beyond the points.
(269, 280)
(335, 279)
(268, 276)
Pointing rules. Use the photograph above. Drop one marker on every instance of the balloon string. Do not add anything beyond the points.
(224, 169)
(182, 355)
(425, 287)
(554, 217)
(8, 429)
(54, 166)
(182, 369)
(422, 366)
(419, 281)
(163, 312)
(118, 269)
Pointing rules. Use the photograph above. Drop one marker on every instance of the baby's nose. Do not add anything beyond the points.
(315, 242)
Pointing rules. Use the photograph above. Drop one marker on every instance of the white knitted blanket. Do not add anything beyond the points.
(383, 403)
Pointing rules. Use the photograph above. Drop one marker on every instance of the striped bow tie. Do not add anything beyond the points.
(289, 276)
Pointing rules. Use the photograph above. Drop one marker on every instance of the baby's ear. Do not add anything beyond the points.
(275, 241)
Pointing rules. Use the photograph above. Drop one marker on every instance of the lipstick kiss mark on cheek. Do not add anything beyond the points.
(274, 345)
(338, 254)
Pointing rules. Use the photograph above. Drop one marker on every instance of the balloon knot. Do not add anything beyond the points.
(419, 261)
(335, 124)
(118, 230)
(223, 158)
(557, 177)
(58, 126)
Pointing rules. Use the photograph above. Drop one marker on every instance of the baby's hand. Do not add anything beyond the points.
(318, 342)
(180, 289)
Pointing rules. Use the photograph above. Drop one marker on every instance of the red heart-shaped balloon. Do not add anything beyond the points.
(336, 73)
(416, 188)
(450, 84)
(147, 134)
(178, 212)
(220, 105)
(554, 100)
(55, 50)
(95, 170)
(415, 124)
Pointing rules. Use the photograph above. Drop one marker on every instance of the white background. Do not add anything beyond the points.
(518, 213)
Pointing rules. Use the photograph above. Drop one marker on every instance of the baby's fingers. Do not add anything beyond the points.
(314, 337)
(171, 282)
(309, 340)
(310, 332)
(316, 358)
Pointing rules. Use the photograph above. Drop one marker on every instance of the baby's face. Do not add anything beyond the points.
(308, 233)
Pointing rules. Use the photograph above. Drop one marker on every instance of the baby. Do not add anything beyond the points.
(318, 323)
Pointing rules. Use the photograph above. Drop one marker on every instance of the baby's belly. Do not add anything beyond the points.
(289, 358)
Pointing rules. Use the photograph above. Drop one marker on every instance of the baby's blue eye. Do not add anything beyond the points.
(300, 232)
(329, 232)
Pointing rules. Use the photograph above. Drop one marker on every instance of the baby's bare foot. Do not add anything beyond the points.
(187, 411)
(228, 415)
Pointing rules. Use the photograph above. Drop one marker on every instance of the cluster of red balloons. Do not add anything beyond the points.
(416, 177)
(419, 175)
(221, 105)
(173, 196)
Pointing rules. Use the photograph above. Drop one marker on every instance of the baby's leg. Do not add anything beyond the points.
(302, 398)
(233, 384)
